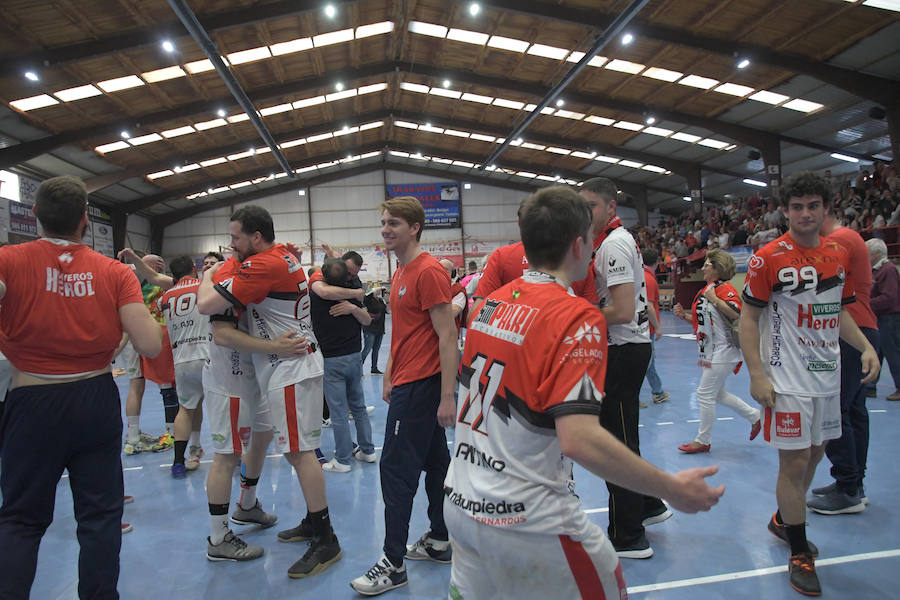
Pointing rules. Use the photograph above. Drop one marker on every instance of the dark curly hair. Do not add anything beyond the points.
(805, 183)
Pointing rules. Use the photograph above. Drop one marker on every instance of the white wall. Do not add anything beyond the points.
(137, 233)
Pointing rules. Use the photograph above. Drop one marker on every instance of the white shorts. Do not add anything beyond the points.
(297, 415)
(490, 563)
(232, 419)
(130, 360)
(798, 422)
(189, 383)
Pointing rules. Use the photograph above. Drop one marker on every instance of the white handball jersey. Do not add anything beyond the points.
(712, 328)
(619, 261)
(801, 291)
(188, 330)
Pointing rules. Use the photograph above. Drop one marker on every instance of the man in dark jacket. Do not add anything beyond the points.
(374, 332)
(885, 302)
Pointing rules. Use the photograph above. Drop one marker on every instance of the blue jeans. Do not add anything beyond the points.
(343, 389)
(372, 342)
(653, 379)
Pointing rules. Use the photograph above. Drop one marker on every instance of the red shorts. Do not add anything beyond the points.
(160, 370)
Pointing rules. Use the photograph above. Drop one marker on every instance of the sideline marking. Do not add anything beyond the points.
(724, 418)
(668, 585)
(596, 510)
(878, 410)
(666, 423)
(133, 468)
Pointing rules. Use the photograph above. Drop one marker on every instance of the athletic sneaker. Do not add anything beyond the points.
(253, 516)
(128, 500)
(322, 553)
(640, 548)
(825, 490)
(195, 453)
(893, 397)
(326, 422)
(300, 533)
(427, 548)
(778, 530)
(179, 471)
(658, 517)
(334, 466)
(642, 404)
(375, 371)
(382, 577)
(166, 441)
(232, 548)
(361, 456)
(660, 398)
(694, 448)
(802, 569)
(140, 446)
(836, 502)
(126, 527)
(149, 439)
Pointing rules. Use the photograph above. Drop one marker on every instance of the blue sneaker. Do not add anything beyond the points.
(179, 471)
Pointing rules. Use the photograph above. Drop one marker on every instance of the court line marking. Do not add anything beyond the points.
(725, 419)
(666, 423)
(668, 585)
(878, 410)
(693, 420)
(591, 511)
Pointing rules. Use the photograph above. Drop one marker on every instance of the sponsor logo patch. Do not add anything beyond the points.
(787, 424)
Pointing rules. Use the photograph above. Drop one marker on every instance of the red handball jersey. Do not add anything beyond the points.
(317, 276)
(189, 331)
(508, 263)
(652, 293)
(60, 313)
(415, 288)
(271, 286)
(860, 273)
(533, 353)
(801, 291)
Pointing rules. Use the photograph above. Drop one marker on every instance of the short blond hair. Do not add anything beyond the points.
(723, 263)
(407, 208)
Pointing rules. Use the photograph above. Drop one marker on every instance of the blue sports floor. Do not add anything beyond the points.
(726, 553)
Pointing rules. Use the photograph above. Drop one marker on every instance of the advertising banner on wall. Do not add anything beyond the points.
(741, 255)
(99, 234)
(441, 201)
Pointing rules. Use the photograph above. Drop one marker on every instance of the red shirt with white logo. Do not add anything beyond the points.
(60, 313)
(533, 353)
(801, 291)
(415, 288)
(652, 293)
(508, 263)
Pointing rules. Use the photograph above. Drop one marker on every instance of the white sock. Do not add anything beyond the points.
(170, 429)
(133, 433)
(195, 439)
(218, 527)
(248, 497)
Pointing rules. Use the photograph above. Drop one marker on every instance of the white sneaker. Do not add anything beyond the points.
(326, 422)
(361, 456)
(195, 453)
(334, 466)
(370, 409)
(383, 576)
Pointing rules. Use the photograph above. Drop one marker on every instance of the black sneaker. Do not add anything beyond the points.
(322, 553)
(836, 502)
(778, 530)
(300, 533)
(802, 569)
(827, 489)
(383, 576)
(640, 548)
(375, 371)
(658, 517)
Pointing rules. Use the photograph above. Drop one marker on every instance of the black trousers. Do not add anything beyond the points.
(45, 429)
(849, 452)
(619, 414)
(413, 442)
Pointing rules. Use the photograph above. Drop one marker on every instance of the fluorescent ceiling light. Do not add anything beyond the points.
(334, 37)
(105, 148)
(163, 74)
(274, 110)
(844, 157)
(406, 124)
(628, 125)
(469, 37)
(711, 143)
(373, 125)
(120, 83)
(159, 174)
(238, 118)
(568, 114)
(653, 169)
(547, 178)
(547, 110)
(340, 95)
(526, 174)
(744, 63)
(199, 66)
(599, 120)
(625, 67)
(289, 47)
(170, 133)
(662, 74)
(319, 137)
(556, 150)
(213, 161)
(368, 89)
(885, 4)
(505, 43)
(219, 190)
(204, 125)
(306, 169)
(400, 154)
(190, 167)
(516, 142)
(429, 129)
(364, 31)
(660, 131)
(145, 139)
(604, 158)
(768, 97)
(704, 83)
(755, 182)
(733, 89)
(309, 102)
(531, 146)
(241, 184)
(685, 137)
(801, 105)
(445, 93)
(292, 143)
(631, 163)
(477, 98)
(482, 138)
(508, 103)
(240, 155)
(370, 155)
(77, 93)
(443, 161)
(551, 52)
(586, 155)
(346, 131)
(428, 29)
(456, 133)
(31, 76)
(414, 87)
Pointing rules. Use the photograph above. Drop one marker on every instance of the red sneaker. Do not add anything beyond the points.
(755, 429)
(126, 527)
(128, 500)
(694, 448)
